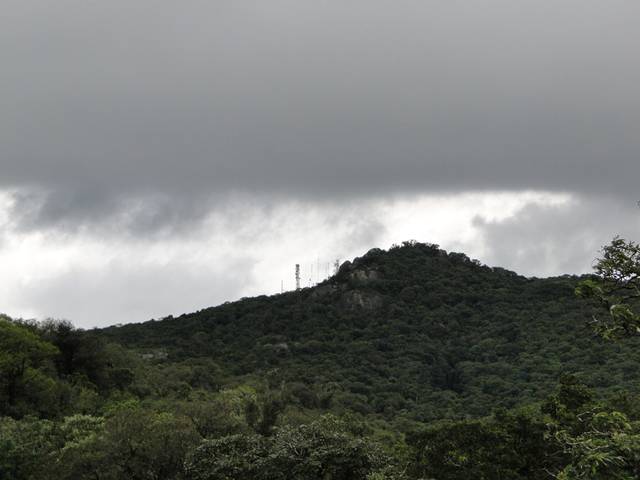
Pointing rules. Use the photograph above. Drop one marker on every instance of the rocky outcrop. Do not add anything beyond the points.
(365, 275)
(323, 290)
(359, 299)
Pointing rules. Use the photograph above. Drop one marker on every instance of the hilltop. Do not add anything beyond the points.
(413, 332)
(407, 364)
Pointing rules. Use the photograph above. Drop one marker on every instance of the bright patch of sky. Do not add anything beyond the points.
(95, 279)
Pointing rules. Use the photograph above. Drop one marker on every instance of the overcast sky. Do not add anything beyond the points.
(157, 157)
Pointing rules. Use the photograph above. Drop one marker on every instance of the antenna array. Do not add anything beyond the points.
(322, 272)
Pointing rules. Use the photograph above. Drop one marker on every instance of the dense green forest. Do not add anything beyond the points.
(411, 363)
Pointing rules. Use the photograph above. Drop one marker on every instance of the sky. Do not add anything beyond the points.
(158, 157)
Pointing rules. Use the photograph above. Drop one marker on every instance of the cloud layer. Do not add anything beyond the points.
(105, 101)
(158, 156)
(100, 276)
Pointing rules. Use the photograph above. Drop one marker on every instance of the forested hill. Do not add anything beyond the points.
(394, 369)
(412, 332)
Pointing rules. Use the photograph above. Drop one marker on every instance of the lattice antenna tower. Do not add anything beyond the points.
(297, 276)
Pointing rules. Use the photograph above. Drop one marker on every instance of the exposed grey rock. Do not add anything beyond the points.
(365, 275)
(360, 299)
(323, 290)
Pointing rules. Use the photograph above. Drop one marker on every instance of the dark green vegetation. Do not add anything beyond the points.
(616, 287)
(407, 364)
(413, 333)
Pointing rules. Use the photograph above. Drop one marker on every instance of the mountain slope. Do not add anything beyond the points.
(411, 332)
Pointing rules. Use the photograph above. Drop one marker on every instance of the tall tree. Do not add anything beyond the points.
(22, 354)
(616, 286)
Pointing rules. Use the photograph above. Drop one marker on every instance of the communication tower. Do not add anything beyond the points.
(297, 276)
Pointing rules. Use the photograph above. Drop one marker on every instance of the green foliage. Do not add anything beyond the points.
(324, 449)
(227, 458)
(608, 448)
(572, 437)
(413, 334)
(388, 371)
(25, 447)
(24, 380)
(146, 445)
(617, 287)
(506, 446)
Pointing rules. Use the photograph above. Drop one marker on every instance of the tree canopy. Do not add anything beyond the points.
(616, 286)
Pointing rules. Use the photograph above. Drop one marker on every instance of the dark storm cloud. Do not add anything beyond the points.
(106, 103)
(108, 212)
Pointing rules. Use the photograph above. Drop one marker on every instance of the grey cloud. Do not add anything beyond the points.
(553, 240)
(240, 250)
(104, 102)
(104, 212)
(126, 292)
